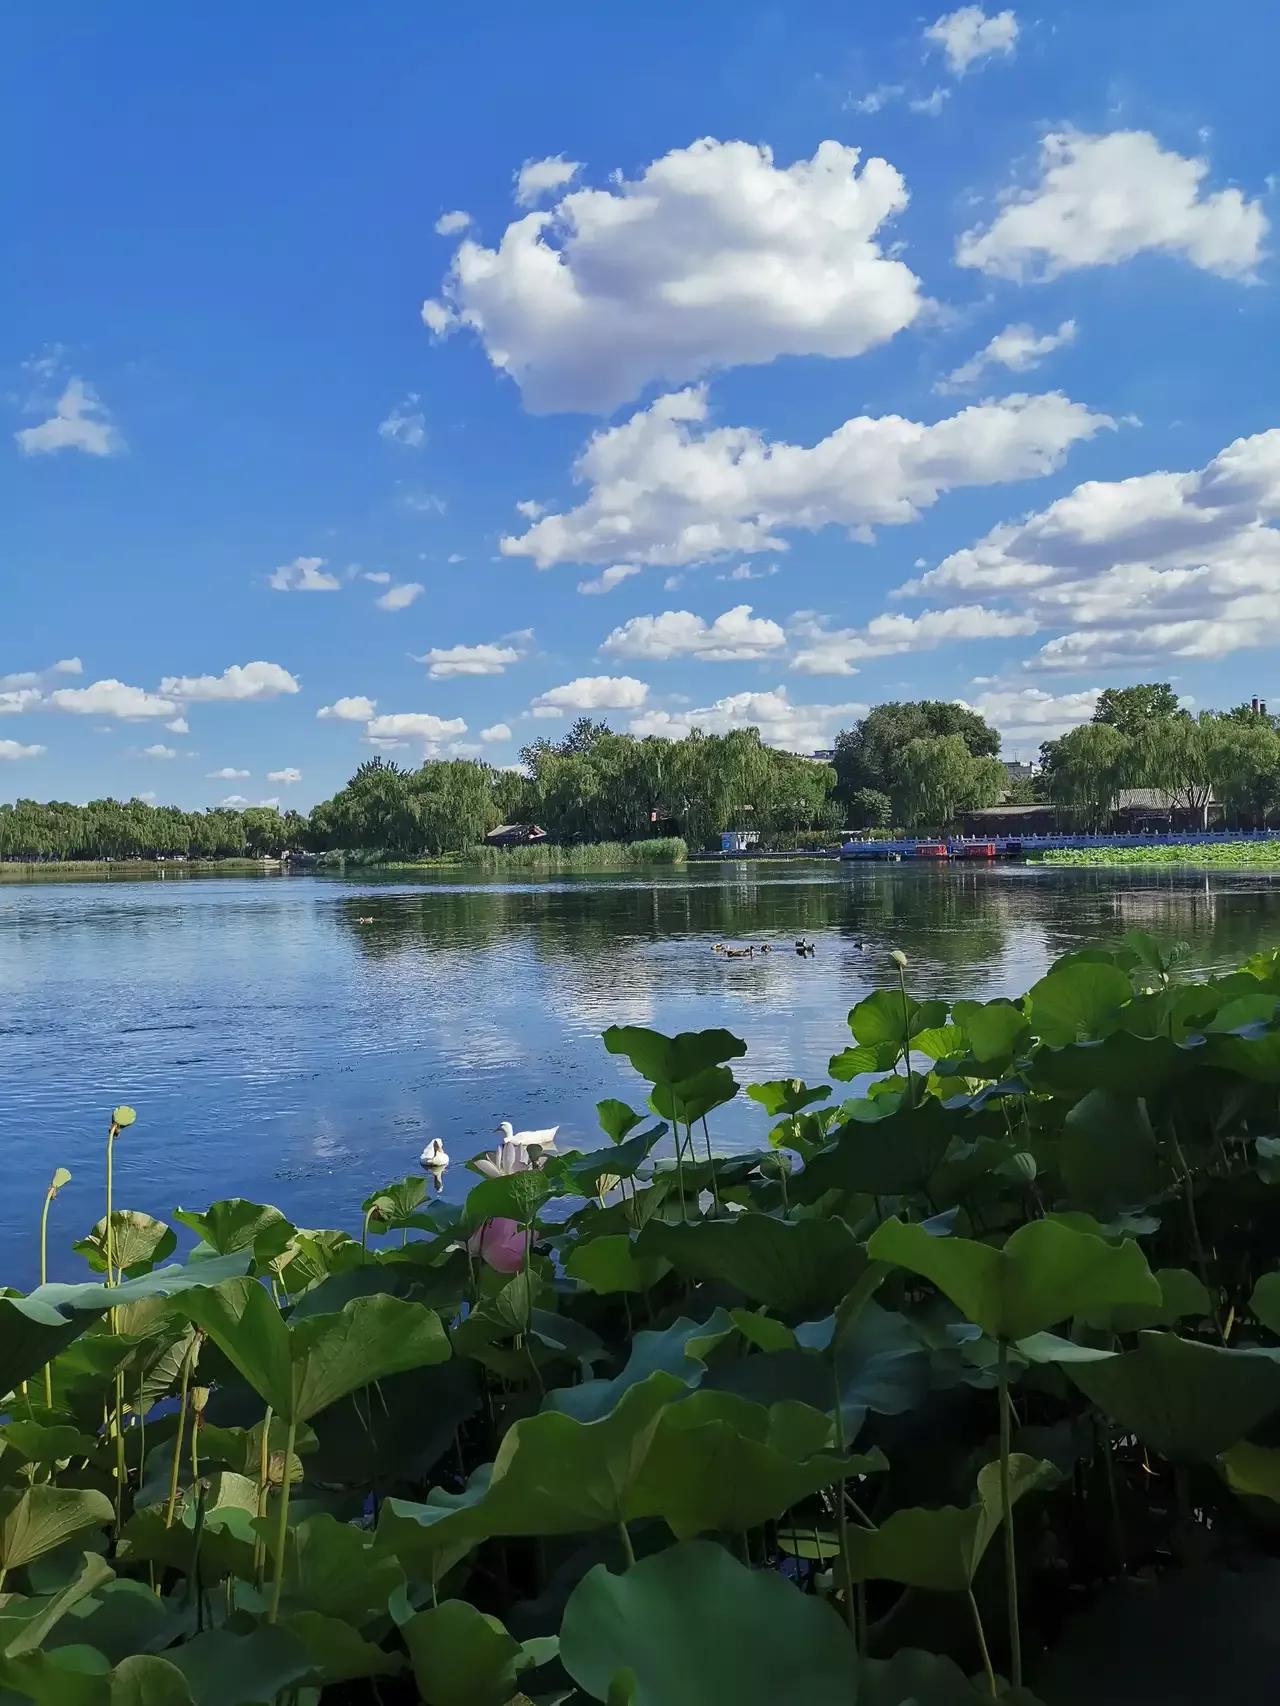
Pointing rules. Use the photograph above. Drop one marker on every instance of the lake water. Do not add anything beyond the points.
(277, 1046)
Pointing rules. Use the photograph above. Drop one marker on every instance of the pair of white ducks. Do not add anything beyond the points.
(512, 1157)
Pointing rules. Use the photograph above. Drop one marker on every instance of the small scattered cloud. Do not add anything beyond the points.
(303, 574)
(423, 503)
(178, 726)
(159, 750)
(449, 224)
(609, 578)
(14, 749)
(968, 35)
(258, 680)
(414, 725)
(67, 666)
(1017, 348)
(228, 773)
(455, 557)
(530, 508)
(378, 577)
(496, 732)
(406, 424)
(483, 659)
(932, 104)
(353, 708)
(875, 100)
(400, 596)
(538, 178)
(593, 693)
(80, 421)
(15, 700)
(288, 775)
(749, 572)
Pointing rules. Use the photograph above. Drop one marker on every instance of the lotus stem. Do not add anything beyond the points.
(112, 1132)
(120, 1468)
(172, 1505)
(842, 1517)
(628, 1550)
(1010, 1548)
(711, 1162)
(264, 1488)
(981, 1633)
(282, 1521)
(906, 1031)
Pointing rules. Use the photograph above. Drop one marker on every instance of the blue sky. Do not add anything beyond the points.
(835, 354)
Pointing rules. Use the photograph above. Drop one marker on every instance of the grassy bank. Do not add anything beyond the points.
(541, 859)
(124, 867)
(1226, 855)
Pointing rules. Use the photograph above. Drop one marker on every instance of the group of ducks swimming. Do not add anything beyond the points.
(803, 947)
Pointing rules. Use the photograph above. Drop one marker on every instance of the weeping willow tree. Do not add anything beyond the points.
(939, 777)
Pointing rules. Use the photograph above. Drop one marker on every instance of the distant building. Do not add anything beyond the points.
(1017, 771)
(1009, 820)
(739, 840)
(824, 755)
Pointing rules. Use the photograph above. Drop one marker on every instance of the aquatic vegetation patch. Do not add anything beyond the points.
(869, 1411)
(1263, 855)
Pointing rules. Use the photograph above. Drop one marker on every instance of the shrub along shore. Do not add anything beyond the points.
(890, 1401)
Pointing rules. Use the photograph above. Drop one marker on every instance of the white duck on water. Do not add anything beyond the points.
(545, 1140)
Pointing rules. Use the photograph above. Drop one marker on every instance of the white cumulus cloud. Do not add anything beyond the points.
(238, 681)
(354, 708)
(1160, 565)
(449, 224)
(111, 698)
(303, 574)
(289, 774)
(713, 257)
(1025, 716)
(1103, 199)
(730, 638)
(593, 693)
(666, 488)
(538, 178)
(837, 651)
(414, 725)
(228, 773)
(969, 34)
(1017, 348)
(178, 726)
(15, 749)
(495, 732)
(159, 750)
(15, 700)
(796, 728)
(80, 421)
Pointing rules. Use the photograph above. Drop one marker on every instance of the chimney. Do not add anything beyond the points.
(1254, 706)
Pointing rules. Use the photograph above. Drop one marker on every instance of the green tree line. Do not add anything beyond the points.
(917, 764)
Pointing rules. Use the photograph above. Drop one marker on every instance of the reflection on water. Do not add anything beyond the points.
(277, 1047)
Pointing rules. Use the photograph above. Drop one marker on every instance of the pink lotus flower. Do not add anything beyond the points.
(501, 1243)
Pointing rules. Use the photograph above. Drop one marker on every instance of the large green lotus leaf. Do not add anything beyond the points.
(367, 1340)
(667, 1351)
(121, 1618)
(333, 1568)
(70, 1676)
(395, 1206)
(24, 1623)
(787, 1095)
(671, 1060)
(862, 1058)
(1182, 1294)
(876, 1362)
(1077, 1001)
(44, 1517)
(610, 1264)
(1252, 1470)
(238, 1224)
(1186, 1400)
(1265, 1302)
(46, 1442)
(1255, 1055)
(1044, 1274)
(794, 1267)
(994, 1030)
(915, 1678)
(1108, 1157)
(223, 1669)
(514, 1196)
(941, 1549)
(248, 1328)
(1127, 1064)
(138, 1242)
(885, 1157)
(461, 1656)
(721, 1463)
(427, 1540)
(227, 1538)
(885, 1016)
(337, 1652)
(623, 1160)
(616, 1118)
(691, 1099)
(401, 1435)
(35, 1328)
(691, 1626)
(330, 1295)
(312, 1254)
(552, 1475)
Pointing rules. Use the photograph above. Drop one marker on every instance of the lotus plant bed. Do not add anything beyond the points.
(1229, 855)
(964, 1387)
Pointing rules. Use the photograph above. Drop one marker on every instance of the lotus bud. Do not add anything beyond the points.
(1022, 1167)
(199, 1397)
(122, 1116)
(898, 957)
(60, 1178)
